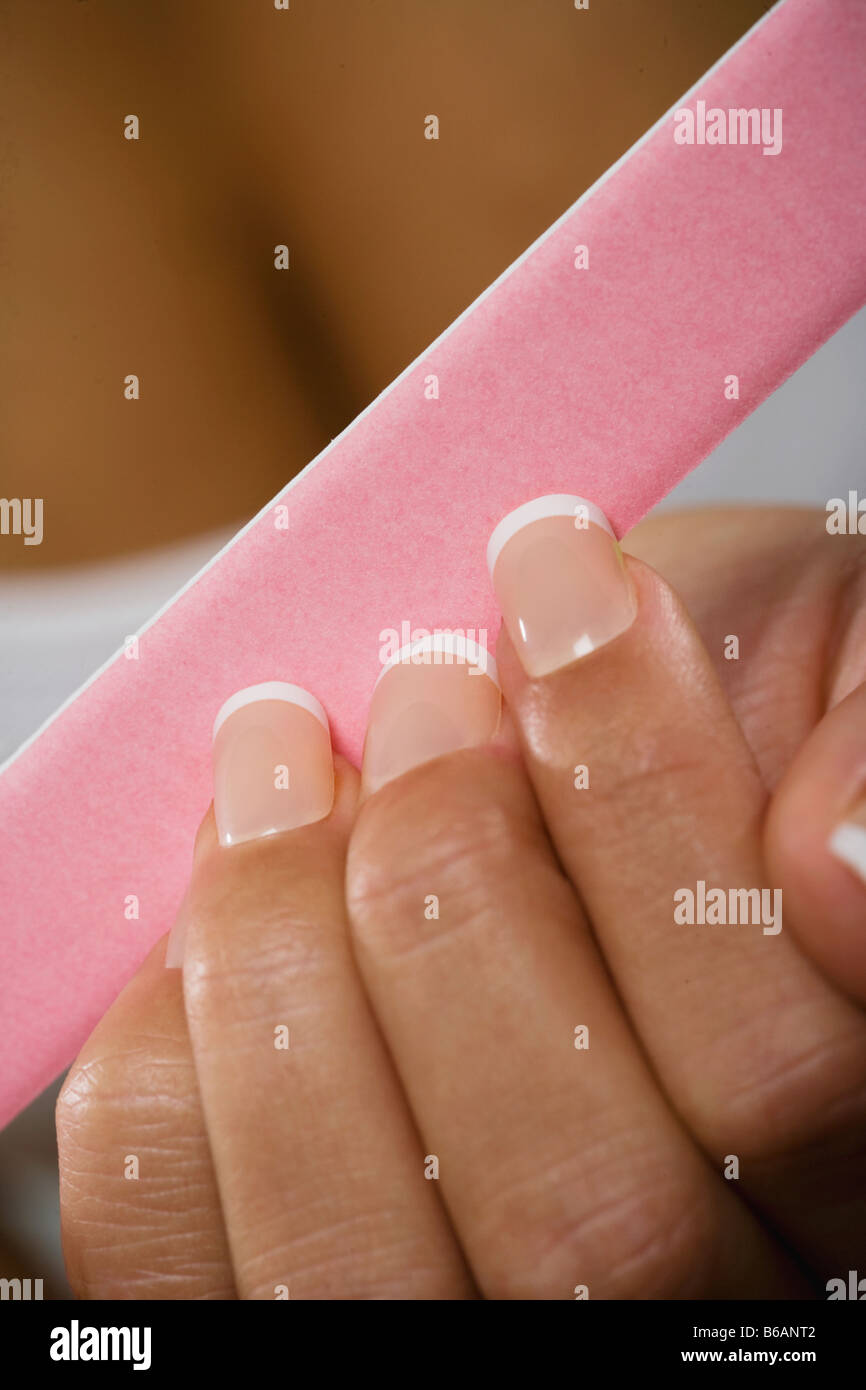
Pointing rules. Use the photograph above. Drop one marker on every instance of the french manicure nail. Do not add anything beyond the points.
(561, 581)
(272, 761)
(848, 841)
(434, 696)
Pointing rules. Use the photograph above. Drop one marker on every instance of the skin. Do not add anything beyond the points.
(558, 1168)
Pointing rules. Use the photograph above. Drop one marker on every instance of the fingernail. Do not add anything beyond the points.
(433, 697)
(560, 580)
(848, 841)
(273, 768)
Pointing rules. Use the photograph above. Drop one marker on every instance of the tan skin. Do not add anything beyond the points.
(553, 1175)
(257, 1168)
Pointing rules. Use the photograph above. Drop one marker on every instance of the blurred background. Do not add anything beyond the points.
(155, 257)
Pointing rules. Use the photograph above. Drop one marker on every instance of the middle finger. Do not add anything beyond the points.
(560, 1162)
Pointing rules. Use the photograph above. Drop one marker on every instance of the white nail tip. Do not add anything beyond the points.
(539, 509)
(444, 643)
(848, 843)
(271, 690)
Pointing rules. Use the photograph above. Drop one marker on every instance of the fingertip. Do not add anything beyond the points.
(438, 695)
(560, 581)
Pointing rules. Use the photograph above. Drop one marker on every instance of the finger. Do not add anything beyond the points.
(762, 1058)
(318, 1162)
(139, 1205)
(560, 1162)
(816, 845)
(765, 587)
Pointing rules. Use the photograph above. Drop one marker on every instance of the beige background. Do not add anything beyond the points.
(261, 127)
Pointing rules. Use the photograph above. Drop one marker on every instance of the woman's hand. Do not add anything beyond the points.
(457, 1039)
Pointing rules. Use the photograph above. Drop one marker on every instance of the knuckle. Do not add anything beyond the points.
(83, 1097)
(232, 975)
(122, 1238)
(134, 1087)
(249, 930)
(369, 1255)
(782, 1102)
(667, 779)
(630, 1234)
(440, 834)
(136, 1067)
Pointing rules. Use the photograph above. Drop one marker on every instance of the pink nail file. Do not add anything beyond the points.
(606, 372)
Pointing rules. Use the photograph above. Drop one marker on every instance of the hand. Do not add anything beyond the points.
(511, 1072)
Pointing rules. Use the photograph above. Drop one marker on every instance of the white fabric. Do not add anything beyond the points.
(58, 627)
